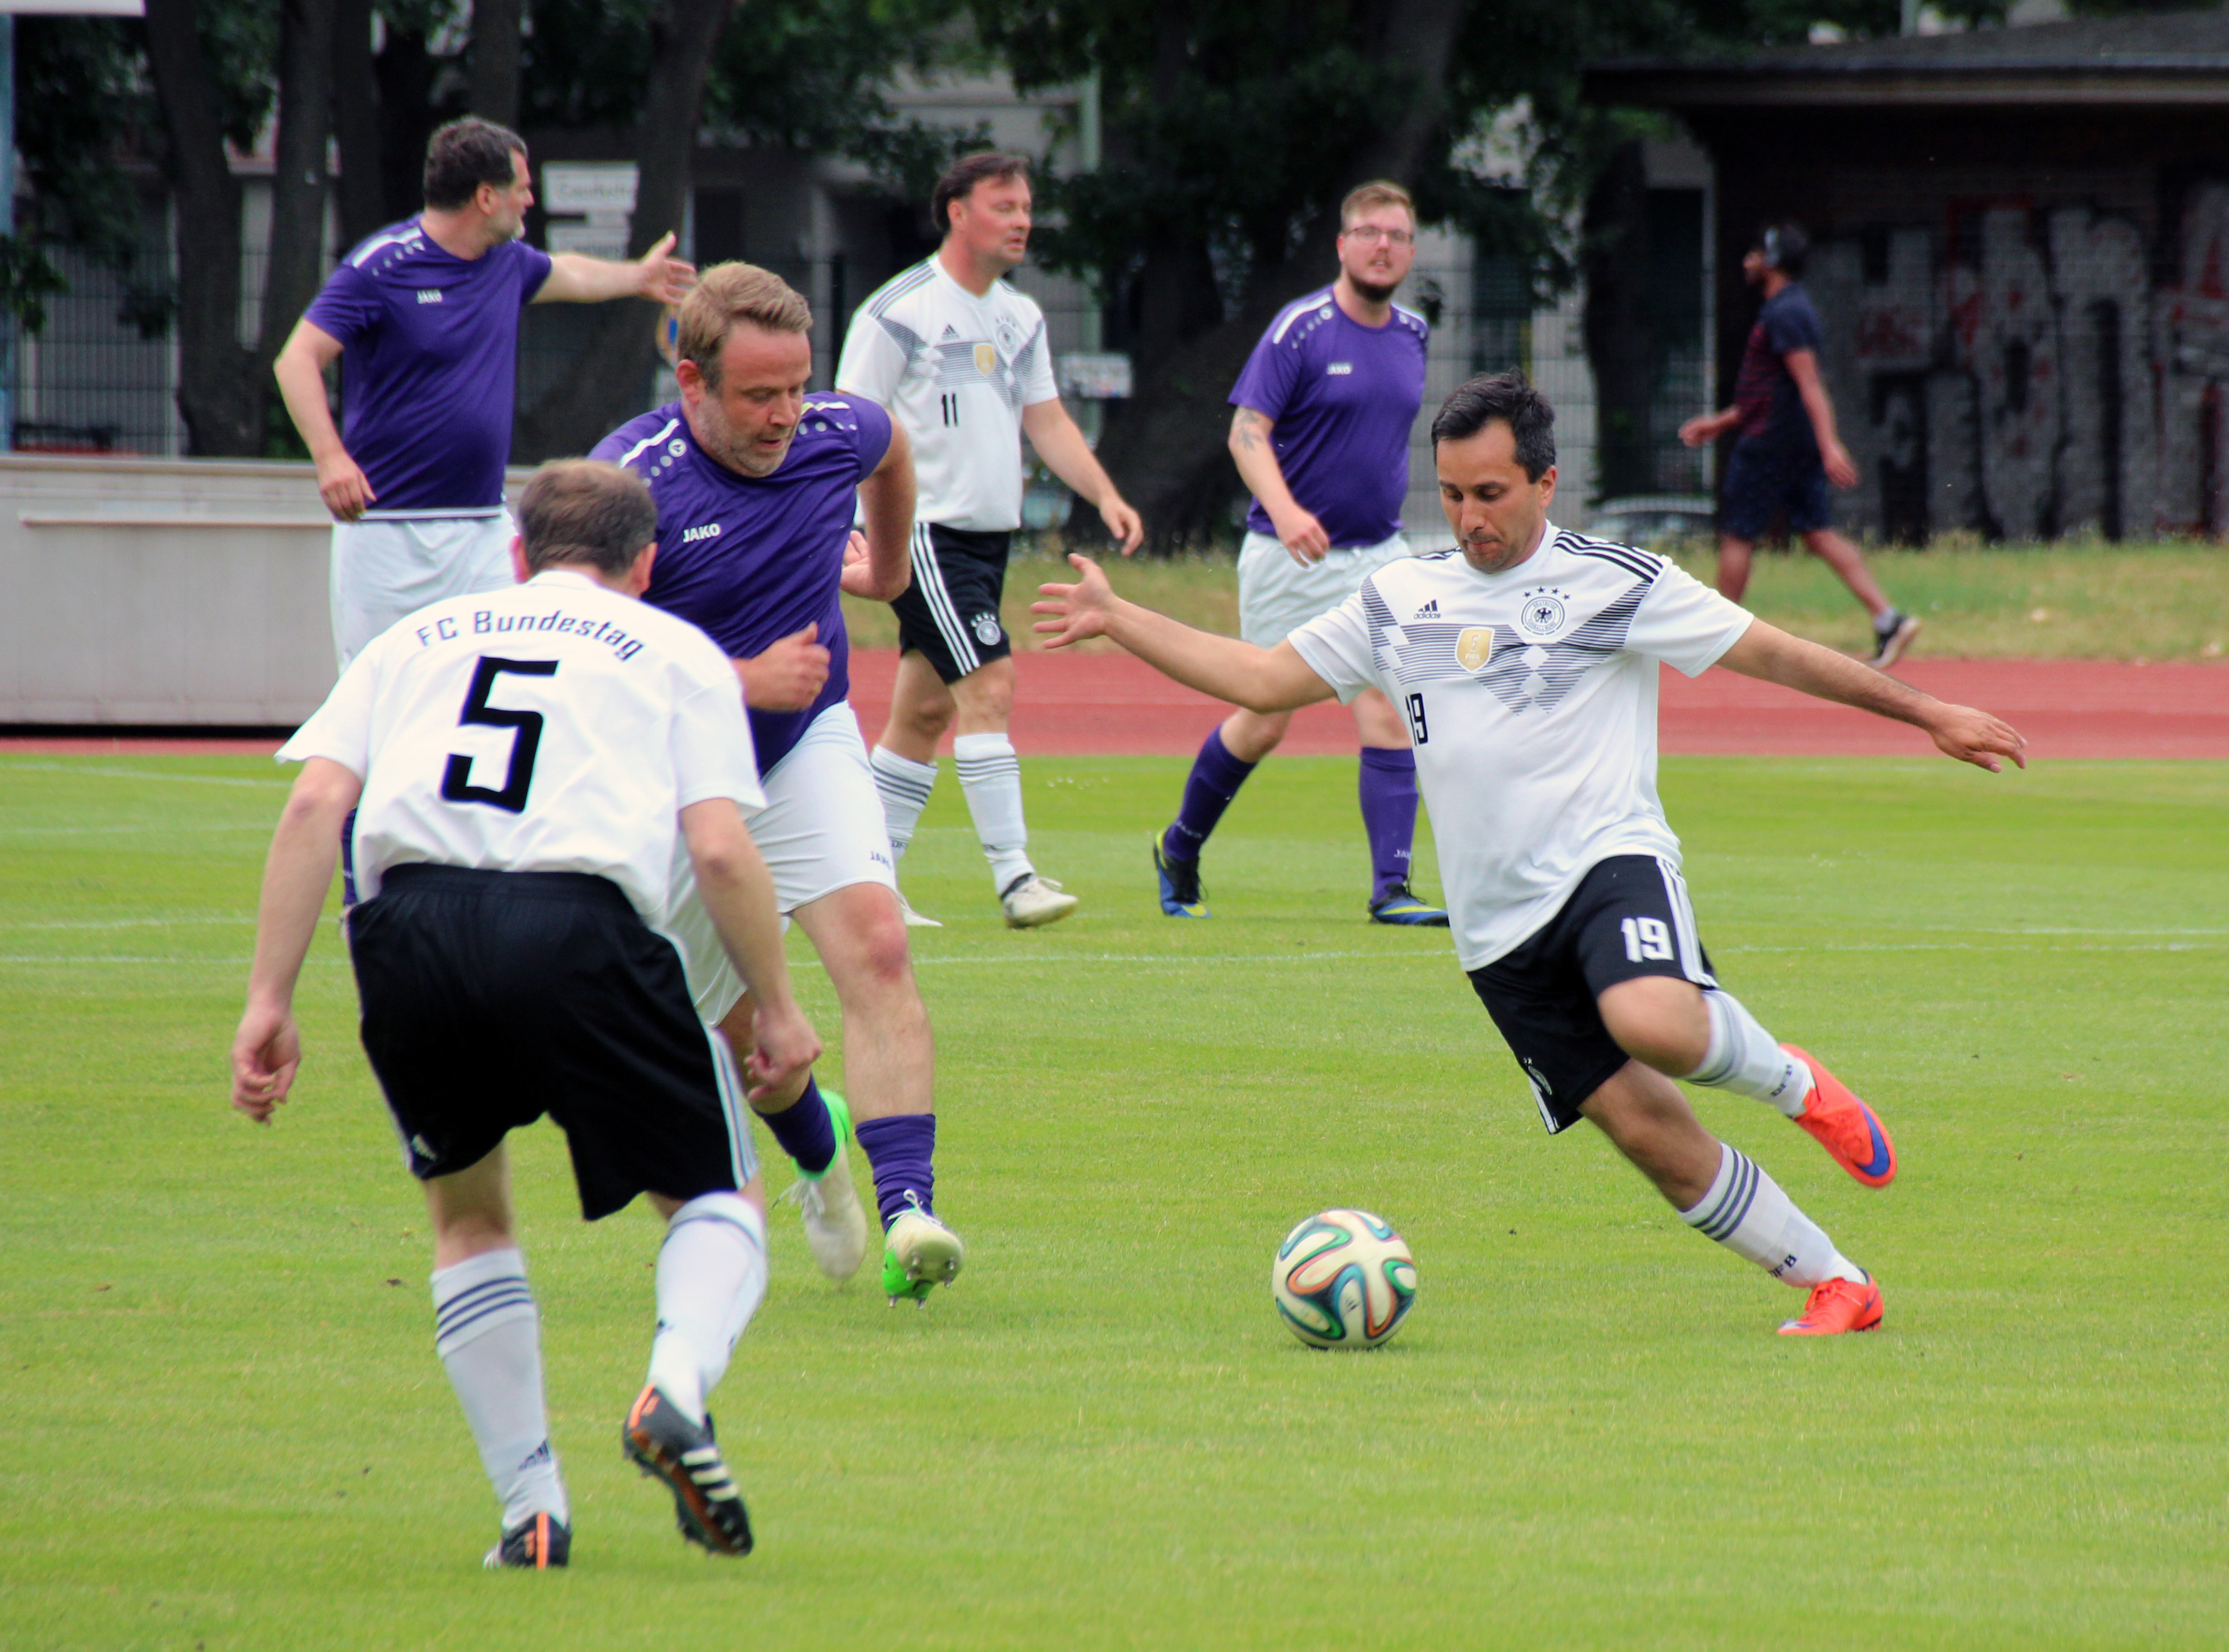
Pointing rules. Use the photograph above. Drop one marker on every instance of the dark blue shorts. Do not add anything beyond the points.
(1763, 482)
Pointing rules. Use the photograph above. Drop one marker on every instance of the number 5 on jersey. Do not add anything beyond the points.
(526, 737)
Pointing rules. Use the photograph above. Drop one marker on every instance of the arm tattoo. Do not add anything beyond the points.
(1247, 427)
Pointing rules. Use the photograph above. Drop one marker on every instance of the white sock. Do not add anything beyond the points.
(712, 1278)
(1746, 1212)
(1743, 1058)
(905, 786)
(991, 778)
(489, 1337)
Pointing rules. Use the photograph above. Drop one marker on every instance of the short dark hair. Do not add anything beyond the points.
(464, 154)
(1511, 398)
(585, 510)
(1785, 246)
(960, 178)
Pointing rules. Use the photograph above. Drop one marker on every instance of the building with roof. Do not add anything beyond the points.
(2021, 254)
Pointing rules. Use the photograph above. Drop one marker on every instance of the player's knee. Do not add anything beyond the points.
(1659, 1020)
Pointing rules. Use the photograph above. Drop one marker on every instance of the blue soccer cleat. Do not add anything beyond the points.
(1401, 906)
(1181, 895)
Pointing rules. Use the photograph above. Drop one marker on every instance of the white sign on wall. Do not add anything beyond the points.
(592, 187)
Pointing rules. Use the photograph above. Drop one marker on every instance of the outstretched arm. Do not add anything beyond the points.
(657, 275)
(1261, 679)
(1960, 731)
(266, 1051)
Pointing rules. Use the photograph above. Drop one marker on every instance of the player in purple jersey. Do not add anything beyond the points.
(424, 319)
(755, 481)
(1320, 434)
(1786, 450)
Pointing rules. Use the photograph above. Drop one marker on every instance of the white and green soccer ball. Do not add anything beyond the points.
(1343, 1279)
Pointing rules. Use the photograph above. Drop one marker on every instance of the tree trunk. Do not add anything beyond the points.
(1166, 449)
(356, 121)
(603, 387)
(495, 60)
(218, 395)
(296, 268)
(1620, 343)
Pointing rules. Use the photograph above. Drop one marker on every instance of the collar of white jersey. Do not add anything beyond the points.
(567, 576)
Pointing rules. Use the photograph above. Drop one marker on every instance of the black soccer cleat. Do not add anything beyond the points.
(537, 1544)
(1181, 895)
(1400, 905)
(661, 1440)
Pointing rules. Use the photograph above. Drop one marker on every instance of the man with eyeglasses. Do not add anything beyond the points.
(1320, 434)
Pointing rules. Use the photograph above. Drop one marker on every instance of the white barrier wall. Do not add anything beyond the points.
(162, 591)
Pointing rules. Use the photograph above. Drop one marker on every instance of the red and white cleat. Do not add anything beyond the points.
(1846, 1126)
(1837, 1306)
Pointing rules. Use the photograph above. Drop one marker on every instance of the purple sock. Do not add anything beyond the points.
(1215, 779)
(1388, 787)
(804, 1131)
(902, 1149)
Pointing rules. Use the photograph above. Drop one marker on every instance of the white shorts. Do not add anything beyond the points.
(822, 829)
(1277, 595)
(386, 566)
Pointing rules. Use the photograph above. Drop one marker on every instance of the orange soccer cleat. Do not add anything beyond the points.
(1836, 1305)
(1844, 1126)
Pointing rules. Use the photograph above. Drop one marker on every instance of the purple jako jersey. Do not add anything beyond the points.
(754, 559)
(1343, 398)
(430, 364)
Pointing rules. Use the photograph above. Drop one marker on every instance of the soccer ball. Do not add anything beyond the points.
(1343, 1279)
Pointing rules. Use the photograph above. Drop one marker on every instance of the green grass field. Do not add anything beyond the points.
(227, 1427)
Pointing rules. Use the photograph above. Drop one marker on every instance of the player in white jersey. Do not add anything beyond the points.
(526, 762)
(961, 361)
(1526, 665)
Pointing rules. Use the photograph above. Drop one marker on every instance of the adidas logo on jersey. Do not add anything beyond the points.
(704, 531)
(951, 332)
(429, 295)
(1429, 611)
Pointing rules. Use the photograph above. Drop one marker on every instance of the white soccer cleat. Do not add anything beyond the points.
(919, 1253)
(835, 1224)
(1030, 901)
(915, 920)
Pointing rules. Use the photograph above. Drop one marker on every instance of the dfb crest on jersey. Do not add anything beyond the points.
(1474, 647)
(1542, 614)
(1008, 334)
(986, 360)
(985, 624)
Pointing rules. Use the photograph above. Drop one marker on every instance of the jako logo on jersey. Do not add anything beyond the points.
(706, 530)
(1474, 647)
(1341, 367)
(1429, 611)
(429, 295)
(986, 628)
(1543, 613)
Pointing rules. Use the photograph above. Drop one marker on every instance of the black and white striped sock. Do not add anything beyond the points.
(1746, 1212)
(905, 786)
(1743, 1058)
(489, 1335)
(991, 776)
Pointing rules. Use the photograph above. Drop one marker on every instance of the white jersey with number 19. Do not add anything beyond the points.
(555, 726)
(1531, 698)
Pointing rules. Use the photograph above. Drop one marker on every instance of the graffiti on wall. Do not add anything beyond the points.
(2021, 372)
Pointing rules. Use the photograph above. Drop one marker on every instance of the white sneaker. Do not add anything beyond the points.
(919, 1253)
(1032, 900)
(835, 1225)
(913, 919)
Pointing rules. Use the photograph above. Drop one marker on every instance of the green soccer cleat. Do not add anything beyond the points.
(919, 1252)
(1401, 906)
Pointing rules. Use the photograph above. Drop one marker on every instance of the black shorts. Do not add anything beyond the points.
(1765, 481)
(950, 611)
(1628, 918)
(490, 997)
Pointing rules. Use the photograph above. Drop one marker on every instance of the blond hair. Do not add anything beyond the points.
(1379, 192)
(726, 294)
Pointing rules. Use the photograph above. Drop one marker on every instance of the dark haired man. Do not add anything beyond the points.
(424, 317)
(961, 359)
(1525, 663)
(530, 764)
(1320, 431)
(1786, 450)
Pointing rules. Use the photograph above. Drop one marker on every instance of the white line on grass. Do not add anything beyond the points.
(130, 923)
(142, 773)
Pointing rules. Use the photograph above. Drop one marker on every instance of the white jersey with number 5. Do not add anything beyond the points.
(555, 726)
(956, 372)
(1530, 699)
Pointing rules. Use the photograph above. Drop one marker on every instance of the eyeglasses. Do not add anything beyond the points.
(1371, 235)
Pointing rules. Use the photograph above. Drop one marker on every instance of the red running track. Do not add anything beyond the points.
(1107, 704)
